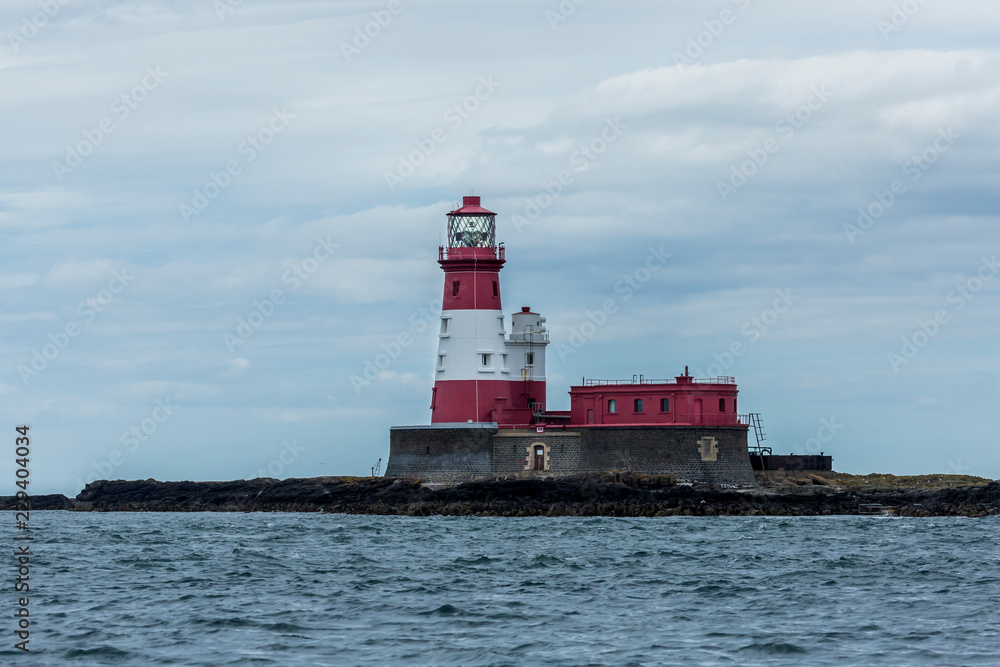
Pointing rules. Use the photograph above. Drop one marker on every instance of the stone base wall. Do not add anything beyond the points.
(441, 454)
(513, 452)
(713, 454)
(457, 453)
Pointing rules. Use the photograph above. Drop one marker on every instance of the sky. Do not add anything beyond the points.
(219, 220)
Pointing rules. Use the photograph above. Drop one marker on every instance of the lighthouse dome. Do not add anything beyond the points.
(470, 206)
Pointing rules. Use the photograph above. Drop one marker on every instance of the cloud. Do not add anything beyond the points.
(685, 130)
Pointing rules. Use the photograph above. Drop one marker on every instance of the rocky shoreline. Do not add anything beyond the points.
(595, 494)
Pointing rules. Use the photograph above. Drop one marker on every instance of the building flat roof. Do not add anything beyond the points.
(722, 379)
(448, 425)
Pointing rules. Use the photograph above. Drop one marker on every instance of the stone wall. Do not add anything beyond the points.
(452, 453)
(511, 450)
(713, 454)
(456, 452)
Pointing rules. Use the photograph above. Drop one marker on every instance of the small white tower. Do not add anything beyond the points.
(526, 354)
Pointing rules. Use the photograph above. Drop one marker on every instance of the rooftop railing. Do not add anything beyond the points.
(727, 419)
(721, 379)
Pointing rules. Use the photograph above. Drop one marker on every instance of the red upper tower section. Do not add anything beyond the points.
(472, 259)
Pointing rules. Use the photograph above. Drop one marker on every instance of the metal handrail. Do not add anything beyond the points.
(705, 420)
(722, 379)
(443, 252)
(534, 337)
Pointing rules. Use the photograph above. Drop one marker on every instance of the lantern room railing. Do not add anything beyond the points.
(444, 252)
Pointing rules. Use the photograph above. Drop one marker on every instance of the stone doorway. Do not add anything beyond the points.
(539, 458)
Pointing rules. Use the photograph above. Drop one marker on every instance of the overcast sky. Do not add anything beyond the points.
(170, 168)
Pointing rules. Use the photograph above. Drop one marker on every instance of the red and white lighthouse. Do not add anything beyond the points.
(482, 374)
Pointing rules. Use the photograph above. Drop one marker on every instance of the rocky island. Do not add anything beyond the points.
(592, 494)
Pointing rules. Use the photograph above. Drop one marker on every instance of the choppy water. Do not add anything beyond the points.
(310, 589)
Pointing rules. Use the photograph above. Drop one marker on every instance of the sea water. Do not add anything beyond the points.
(327, 589)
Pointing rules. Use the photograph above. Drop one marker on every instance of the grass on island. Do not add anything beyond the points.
(882, 481)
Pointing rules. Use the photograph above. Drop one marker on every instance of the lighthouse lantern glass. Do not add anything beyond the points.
(472, 231)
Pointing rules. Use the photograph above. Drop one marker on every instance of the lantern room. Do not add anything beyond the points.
(472, 226)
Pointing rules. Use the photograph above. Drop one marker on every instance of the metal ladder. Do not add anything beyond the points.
(758, 430)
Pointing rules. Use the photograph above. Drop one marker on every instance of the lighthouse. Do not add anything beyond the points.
(488, 411)
(482, 373)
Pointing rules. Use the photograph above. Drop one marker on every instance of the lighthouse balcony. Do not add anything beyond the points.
(532, 337)
(446, 253)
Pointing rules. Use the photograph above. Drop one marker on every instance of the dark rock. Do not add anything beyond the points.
(52, 501)
(590, 494)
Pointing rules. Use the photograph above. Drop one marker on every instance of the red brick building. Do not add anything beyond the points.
(682, 400)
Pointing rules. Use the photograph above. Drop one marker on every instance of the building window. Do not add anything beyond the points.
(440, 362)
(496, 288)
(454, 287)
(529, 359)
(664, 405)
(722, 405)
(612, 406)
(590, 416)
(503, 361)
(637, 405)
(444, 325)
(485, 360)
